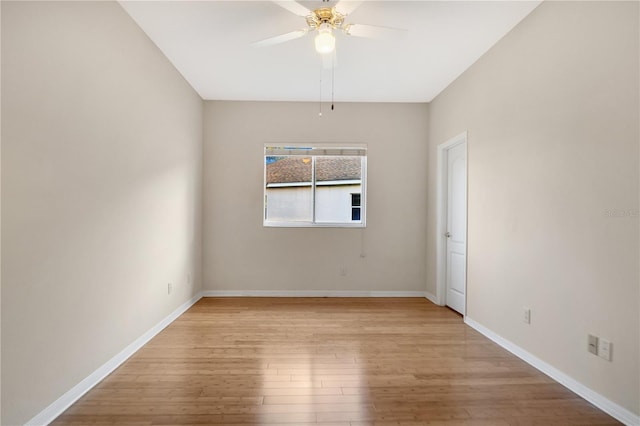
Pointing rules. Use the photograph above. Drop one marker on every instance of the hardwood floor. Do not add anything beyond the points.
(346, 362)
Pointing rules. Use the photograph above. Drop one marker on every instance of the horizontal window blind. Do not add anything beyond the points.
(319, 150)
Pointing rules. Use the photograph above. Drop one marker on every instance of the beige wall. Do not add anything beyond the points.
(101, 189)
(240, 254)
(552, 115)
(0, 223)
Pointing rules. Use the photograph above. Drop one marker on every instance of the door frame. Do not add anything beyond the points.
(441, 218)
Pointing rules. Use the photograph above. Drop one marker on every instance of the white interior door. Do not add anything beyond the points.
(456, 227)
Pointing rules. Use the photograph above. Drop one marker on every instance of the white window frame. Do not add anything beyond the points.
(316, 150)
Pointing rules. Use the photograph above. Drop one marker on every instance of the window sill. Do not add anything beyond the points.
(312, 225)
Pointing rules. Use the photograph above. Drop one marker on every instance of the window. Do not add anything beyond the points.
(317, 185)
(355, 207)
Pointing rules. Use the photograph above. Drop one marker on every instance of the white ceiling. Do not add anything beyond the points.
(209, 42)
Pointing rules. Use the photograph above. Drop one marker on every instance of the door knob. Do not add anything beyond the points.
(448, 235)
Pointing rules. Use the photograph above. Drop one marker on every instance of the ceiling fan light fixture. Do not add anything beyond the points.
(325, 40)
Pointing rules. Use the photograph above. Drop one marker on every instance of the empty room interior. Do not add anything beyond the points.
(320, 212)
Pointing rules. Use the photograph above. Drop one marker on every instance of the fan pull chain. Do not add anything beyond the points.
(320, 113)
(333, 73)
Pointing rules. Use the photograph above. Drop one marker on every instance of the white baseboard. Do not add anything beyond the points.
(50, 413)
(620, 413)
(432, 297)
(309, 293)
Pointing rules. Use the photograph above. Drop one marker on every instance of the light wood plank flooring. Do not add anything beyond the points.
(346, 362)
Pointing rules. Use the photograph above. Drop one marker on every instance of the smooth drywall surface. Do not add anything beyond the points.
(240, 254)
(101, 190)
(0, 224)
(553, 134)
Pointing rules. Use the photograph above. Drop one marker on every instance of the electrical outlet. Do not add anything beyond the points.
(526, 316)
(592, 345)
(604, 349)
(169, 288)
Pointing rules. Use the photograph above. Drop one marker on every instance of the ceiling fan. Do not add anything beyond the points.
(324, 20)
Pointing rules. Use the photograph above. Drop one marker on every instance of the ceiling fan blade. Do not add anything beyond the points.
(293, 7)
(281, 38)
(374, 31)
(345, 7)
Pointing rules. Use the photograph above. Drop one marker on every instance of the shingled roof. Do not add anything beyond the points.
(298, 169)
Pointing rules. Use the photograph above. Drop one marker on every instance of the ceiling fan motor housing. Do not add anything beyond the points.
(325, 15)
